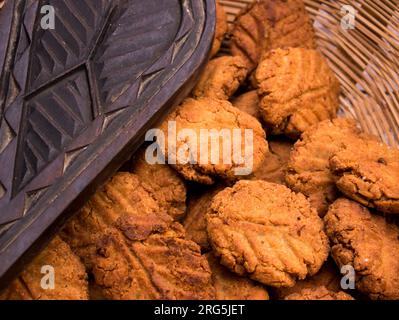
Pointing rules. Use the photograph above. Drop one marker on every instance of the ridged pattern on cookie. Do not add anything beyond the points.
(328, 277)
(229, 286)
(265, 231)
(123, 195)
(145, 261)
(289, 25)
(249, 34)
(297, 90)
(268, 25)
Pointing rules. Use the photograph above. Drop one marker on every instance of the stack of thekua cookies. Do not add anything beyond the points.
(316, 202)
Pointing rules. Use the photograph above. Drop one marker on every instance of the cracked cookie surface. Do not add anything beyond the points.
(368, 171)
(297, 90)
(70, 278)
(267, 232)
(150, 259)
(369, 244)
(124, 194)
(168, 187)
(229, 286)
(308, 169)
(221, 78)
(268, 25)
(212, 115)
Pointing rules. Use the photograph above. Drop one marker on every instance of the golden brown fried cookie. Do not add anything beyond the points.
(248, 37)
(221, 78)
(220, 29)
(168, 188)
(70, 278)
(195, 223)
(308, 168)
(265, 231)
(150, 259)
(368, 171)
(124, 194)
(297, 90)
(320, 293)
(271, 24)
(221, 119)
(327, 277)
(274, 167)
(249, 103)
(367, 243)
(229, 286)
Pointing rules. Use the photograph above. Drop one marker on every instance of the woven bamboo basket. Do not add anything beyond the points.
(365, 59)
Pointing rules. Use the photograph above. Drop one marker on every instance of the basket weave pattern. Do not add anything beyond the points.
(365, 59)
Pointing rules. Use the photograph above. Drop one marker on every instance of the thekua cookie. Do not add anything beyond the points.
(367, 171)
(267, 232)
(150, 259)
(297, 89)
(221, 78)
(271, 24)
(366, 243)
(208, 139)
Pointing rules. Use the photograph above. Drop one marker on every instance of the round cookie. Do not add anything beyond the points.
(229, 286)
(272, 24)
(267, 232)
(150, 259)
(274, 167)
(308, 169)
(297, 89)
(210, 116)
(70, 278)
(168, 188)
(367, 243)
(320, 293)
(249, 103)
(221, 78)
(123, 195)
(220, 29)
(368, 171)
